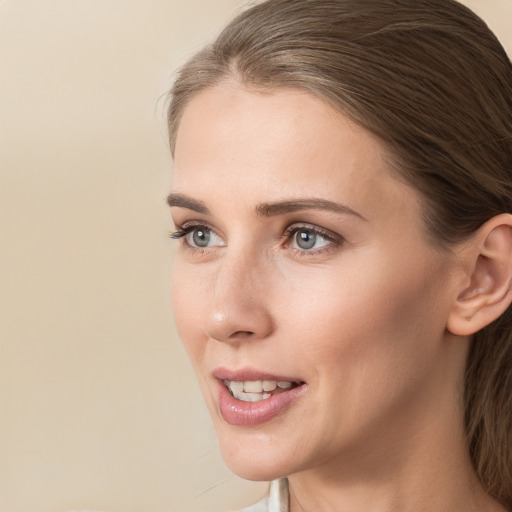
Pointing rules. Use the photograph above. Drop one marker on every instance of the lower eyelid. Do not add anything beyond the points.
(330, 248)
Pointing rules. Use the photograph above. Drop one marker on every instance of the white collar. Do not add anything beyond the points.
(278, 496)
(277, 499)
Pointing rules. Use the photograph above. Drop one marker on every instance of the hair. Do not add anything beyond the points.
(431, 80)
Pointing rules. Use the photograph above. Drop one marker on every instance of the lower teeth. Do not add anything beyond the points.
(251, 397)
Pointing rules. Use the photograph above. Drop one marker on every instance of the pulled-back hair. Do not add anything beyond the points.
(431, 80)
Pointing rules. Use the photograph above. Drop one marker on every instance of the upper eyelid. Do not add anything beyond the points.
(307, 227)
(191, 224)
(326, 233)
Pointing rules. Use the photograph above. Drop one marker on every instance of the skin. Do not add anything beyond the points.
(360, 318)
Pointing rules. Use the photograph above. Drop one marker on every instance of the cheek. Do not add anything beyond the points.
(186, 300)
(364, 319)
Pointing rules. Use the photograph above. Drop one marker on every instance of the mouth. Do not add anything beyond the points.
(249, 398)
(258, 390)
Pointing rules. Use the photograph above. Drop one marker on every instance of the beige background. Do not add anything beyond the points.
(98, 405)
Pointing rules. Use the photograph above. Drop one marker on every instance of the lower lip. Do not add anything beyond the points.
(240, 413)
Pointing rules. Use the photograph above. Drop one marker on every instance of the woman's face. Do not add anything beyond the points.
(302, 261)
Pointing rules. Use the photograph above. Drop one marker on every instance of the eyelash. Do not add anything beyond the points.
(334, 239)
(182, 231)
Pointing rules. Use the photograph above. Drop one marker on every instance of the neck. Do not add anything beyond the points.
(438, 484)
(422, 466)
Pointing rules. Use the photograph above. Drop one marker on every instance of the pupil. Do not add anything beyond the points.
(201, 237)
(306, 239)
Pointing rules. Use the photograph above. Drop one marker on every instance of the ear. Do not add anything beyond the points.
(487, 292)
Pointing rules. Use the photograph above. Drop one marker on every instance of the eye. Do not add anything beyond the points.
(307, 239)
(199, 236)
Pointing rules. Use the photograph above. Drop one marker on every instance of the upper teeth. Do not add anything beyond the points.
(254, 390)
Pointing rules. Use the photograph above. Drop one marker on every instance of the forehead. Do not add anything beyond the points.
(283, 142)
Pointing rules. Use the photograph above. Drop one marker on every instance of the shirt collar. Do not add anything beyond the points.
(278, 496)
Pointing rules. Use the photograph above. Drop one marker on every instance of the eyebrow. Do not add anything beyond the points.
(268, 209)
(295, 205)
(183, 201)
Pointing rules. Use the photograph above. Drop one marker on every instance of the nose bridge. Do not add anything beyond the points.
(239, 307)
(238, 272)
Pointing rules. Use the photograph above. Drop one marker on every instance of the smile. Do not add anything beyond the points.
(250, 398)
(257, 390)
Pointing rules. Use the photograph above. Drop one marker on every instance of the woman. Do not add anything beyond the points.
(342, 193)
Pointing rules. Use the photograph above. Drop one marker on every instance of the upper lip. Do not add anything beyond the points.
(251, 374)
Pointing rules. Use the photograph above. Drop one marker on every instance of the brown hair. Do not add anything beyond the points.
(432, 81)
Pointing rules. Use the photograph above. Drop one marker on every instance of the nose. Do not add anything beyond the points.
(239, 306)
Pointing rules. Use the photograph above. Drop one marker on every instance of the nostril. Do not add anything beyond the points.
(242, 334)
(235, 322)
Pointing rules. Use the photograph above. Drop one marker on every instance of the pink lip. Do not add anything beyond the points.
(240, 413)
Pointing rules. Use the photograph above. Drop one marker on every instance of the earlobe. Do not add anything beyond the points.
(488, 292)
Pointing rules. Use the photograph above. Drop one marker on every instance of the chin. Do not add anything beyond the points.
(254, 469)
(255, 456)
